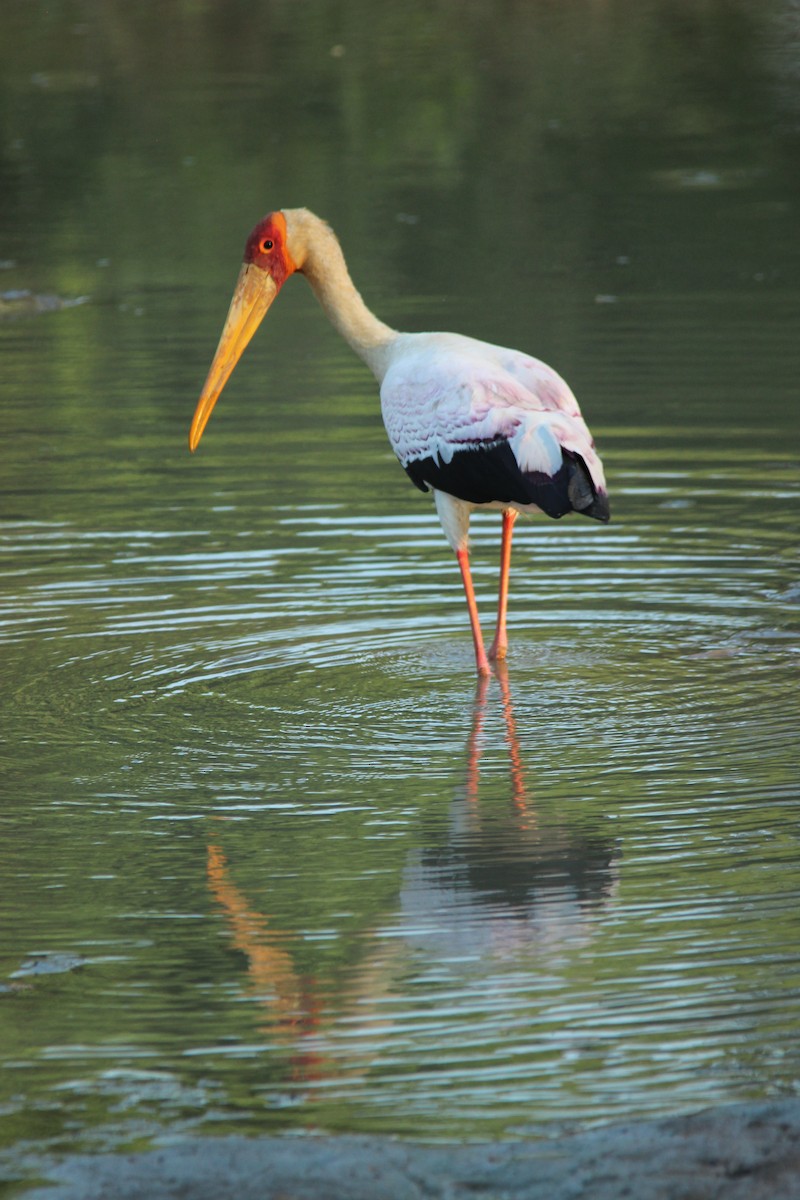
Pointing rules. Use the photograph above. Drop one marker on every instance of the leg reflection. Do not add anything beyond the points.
(475, 745)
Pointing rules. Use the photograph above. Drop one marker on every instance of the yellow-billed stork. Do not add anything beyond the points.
(483, 426)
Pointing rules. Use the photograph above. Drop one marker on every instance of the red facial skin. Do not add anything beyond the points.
(266, 248)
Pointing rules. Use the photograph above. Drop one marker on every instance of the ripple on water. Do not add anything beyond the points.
(423, 905)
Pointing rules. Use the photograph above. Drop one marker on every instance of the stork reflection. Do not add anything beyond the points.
(502, 877)
(496, 881)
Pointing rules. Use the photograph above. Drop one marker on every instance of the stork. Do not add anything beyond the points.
(481, 425)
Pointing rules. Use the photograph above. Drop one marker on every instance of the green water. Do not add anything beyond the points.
(270, 859)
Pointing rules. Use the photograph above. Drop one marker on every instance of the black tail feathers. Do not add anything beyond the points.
(582, 495)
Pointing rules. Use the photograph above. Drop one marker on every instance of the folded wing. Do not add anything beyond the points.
(488, 425)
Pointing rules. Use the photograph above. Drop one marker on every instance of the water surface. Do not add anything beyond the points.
(272, 858)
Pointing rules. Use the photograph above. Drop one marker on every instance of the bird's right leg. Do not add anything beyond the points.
(481, 661)
(454, 515)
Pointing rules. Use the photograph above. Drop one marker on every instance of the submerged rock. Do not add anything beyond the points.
(24, 303)
(48, 964)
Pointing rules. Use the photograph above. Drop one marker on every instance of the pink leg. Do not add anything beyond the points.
(499, 646)
(481, 661)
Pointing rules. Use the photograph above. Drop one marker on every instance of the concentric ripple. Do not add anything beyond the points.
(420, 906)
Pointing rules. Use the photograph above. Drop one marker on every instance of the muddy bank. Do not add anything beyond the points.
(742, 1152)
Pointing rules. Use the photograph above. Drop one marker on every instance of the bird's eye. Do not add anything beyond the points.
(266, 245)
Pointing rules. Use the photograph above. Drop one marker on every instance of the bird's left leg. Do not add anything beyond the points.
(499, 646)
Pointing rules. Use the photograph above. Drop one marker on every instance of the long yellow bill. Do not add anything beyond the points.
(254, 292)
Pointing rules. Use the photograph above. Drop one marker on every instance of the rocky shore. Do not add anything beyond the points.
(739, 1152)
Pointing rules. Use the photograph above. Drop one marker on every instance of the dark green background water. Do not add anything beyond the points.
(268, 860)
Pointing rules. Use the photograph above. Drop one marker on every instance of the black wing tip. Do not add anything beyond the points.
(599, 509)
(583, 495)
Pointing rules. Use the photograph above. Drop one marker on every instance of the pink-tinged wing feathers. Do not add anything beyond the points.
(443, 393)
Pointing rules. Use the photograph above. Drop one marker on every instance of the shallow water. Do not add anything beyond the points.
(272, 857)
